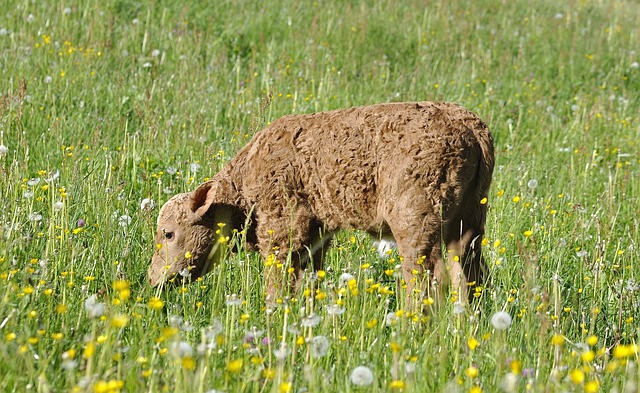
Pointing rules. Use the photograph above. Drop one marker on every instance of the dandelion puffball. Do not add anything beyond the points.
(147, 204)
(3, 150)
(362, 376)
(319, 346)
(501, 320)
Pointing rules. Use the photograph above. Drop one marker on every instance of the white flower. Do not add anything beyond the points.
(635, 64)
(181, 349)
(147, 65)
(53, 176)
(147, 204)
(282, 352)
(391, 319)
(35, 217)
(361, 376)
(175, 321)
(66, 11)
(212, 331)
(509, 383)
(293, 328)
(501, 320)
(410, 367)
(319, 346)
(345, 278)
(48, 79)
(124, 220)
(58, 206)
(310, 320)
(254, 333)
(532, 184)
(94, 308)
(30, 18)
(3, 150)
(233, 300)
(335, 310)
(385, 247)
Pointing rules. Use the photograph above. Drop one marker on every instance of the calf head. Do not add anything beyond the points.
(188, 234)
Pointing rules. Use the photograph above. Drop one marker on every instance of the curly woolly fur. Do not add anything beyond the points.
(413, 172)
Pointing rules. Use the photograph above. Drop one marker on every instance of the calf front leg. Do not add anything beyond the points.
(288, 243)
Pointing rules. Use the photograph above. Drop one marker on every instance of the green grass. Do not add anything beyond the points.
(120, 98)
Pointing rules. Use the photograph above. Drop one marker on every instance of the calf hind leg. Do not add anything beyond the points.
(463, 237)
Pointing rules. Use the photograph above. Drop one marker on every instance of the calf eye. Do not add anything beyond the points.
(167, 235)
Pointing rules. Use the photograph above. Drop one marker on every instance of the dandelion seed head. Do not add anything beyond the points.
(94, 308)
(310, 320)
(282, 352)
(635, 65)
(195, 167)
(124, 220)
(69, 364)
(3, 151)
(319, 346)
(233, 300)
(345, 278)
(501, 320)
(532, 184)
(147, 204)
(35, 217)
(335, 310)
(391, 319)
(458, 308)
(385, 247)
(58, 206)
(48, 79)
(361, 376)
(181, 349)
(155, 52)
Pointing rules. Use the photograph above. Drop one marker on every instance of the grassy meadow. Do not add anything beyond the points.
(108, 108)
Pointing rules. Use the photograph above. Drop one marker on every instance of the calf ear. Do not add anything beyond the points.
(202, 198)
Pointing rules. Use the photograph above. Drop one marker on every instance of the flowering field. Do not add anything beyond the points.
(109, 108)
